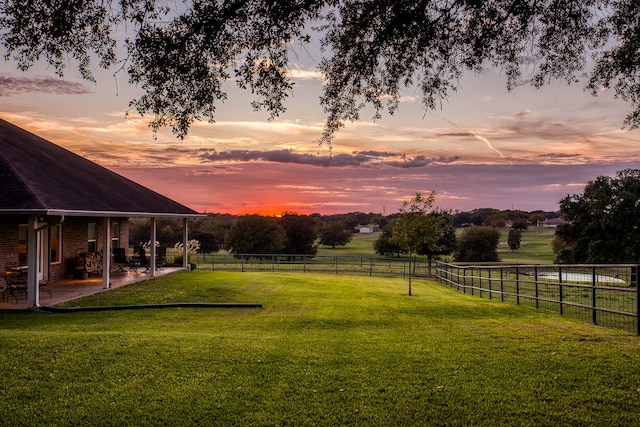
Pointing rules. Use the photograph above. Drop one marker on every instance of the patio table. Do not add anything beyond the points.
(16, 282)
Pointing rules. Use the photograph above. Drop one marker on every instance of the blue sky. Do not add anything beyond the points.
(486, 147)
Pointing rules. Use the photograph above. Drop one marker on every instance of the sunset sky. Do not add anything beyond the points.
(485, 147)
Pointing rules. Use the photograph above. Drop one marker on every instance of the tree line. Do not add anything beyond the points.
(425, 230)
(601, 225)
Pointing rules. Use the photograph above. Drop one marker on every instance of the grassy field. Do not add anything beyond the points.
(535, 247)
(323, 350)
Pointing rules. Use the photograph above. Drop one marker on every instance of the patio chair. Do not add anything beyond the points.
(42, 287)
(15, 279)
(161, 257)
(141, 260)
(120, 258)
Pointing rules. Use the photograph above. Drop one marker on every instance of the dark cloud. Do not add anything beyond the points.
(561, 156)
(376, 153)
(455, 134)
(420, 161)
(10, 85)
(357, 159)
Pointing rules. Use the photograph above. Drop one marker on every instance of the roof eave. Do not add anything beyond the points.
(101, 214)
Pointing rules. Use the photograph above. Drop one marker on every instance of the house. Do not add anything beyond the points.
(55, 204)
(368, 229)
(553, 222)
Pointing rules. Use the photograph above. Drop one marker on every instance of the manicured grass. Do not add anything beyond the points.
(361, 244)
(323, 350)
(535, 247)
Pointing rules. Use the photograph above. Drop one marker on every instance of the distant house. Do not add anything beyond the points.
(553, 222)
(54, 203)
(371, 228)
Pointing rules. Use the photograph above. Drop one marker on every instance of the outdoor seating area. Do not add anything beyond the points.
(15, 282)
(138, 259)
(52, 293)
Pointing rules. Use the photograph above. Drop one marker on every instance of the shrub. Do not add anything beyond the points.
(478, 244)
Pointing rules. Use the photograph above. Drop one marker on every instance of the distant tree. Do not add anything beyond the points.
(461, 219)
(603, 223)
(167, 236)
(445, 242)
(301, 234)
(139, 230)
(181, 54)
(537, 217)
(415, 230)
(478, 244)
(384, 245)
(421, 231)
(255, 234)
(482, 216)
(334, 234)
(514, 239)
(207, 241)
(496, 220)
(520, 224)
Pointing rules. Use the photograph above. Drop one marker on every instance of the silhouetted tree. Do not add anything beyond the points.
(181, 55)
(334, 234)
(520, 224)
(603, 223)
(301, 234)
(384, 244)
(255, 234)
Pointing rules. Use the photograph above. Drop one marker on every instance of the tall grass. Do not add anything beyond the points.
(323, 350)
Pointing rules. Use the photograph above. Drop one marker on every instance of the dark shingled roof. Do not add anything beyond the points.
(37, 176)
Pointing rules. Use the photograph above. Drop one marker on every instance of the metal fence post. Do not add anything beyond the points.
(593, 296)
(501, 284)
(517, 285)
(490, 293)
(560, 290)
(464, 277)
(535, 280)
(637, 302)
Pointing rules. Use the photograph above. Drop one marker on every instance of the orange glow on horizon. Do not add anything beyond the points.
(276, 211)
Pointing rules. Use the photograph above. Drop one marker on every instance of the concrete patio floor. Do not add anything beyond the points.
(70, 289)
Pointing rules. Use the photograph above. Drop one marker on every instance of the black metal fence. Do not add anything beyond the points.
(370, 266)
(604, 295)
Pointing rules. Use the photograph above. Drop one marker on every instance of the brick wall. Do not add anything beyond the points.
(8, 243)
(74, 237)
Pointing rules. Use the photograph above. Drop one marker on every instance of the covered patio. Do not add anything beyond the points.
(71, 289)
(63, 217)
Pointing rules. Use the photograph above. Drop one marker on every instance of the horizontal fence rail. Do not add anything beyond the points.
(604, 295)
(370, 266)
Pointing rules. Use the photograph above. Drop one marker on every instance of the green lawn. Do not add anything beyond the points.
(360, 245)
(535, 247)
(323, 350)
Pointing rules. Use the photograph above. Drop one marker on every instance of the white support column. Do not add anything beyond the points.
(106, 254)
(185, 239)
(33, 252)
(152, 255)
